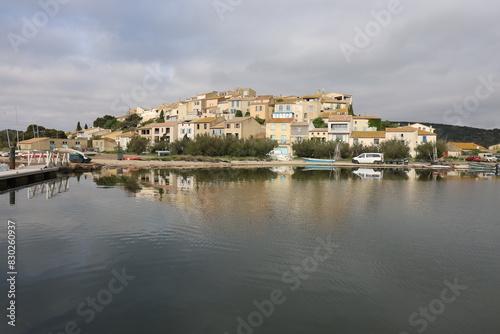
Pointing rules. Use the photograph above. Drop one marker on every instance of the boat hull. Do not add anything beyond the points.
(319, 161)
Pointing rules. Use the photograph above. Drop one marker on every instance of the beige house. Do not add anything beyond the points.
(311, 108)
(262, 107)
(340, 128)
(455, 149)
(318, 134)
(104, 144)
(217, 130)
(202, 126)
(280, 129)
(156, 132)
(46, 143)
(242, 127)
(239, 103)
(123, 139)
(406, 134)
(367, 138)
(494, 148)
(362, 123)
(423, 127)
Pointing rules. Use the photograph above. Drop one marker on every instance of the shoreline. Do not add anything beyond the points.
(109, 161)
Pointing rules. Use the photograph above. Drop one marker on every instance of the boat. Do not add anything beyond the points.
(481, 166)
(309, 168)
(319, 161)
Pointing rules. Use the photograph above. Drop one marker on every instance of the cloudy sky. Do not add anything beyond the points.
(63, 61)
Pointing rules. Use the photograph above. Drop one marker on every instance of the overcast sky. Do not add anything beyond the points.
(63, 61)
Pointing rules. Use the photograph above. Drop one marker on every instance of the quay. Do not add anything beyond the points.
(19, 177)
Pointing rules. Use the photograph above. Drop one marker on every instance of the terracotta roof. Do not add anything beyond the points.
(33, 140)
(330, 100)
(340, 118)
(263, 97)
(311, 96)
(164, 125)
(468, 146)
(288, 101)
(205, 120)
(280, 120)
(319, 130)
(238, 119)
(221, 125)
(366, 117)
(402, 129)
(426, 133)
(300, 124)
(368, 134)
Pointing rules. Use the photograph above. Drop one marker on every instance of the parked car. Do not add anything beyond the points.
(487, 157)
(369, 158)
(474, 158)
(78, 158)
(498, 158)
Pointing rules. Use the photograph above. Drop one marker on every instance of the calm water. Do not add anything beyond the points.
(255, 251)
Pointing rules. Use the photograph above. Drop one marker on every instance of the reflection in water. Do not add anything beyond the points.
(49, 189)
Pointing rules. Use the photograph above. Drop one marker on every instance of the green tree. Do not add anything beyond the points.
(319, 122)
(394, 149)
(131, 121)
(138, 144)
(247, 114)
(260, 120)
(86, 126)
(161, 119)
(78, 126)
(426, 150)
(100, 121)
(350, 110)
(238, 113)
(387, 124)
(375, 123)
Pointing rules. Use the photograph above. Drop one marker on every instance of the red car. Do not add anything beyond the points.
(473, 158)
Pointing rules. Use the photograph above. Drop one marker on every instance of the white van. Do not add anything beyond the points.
(369, 158)
(487, 157)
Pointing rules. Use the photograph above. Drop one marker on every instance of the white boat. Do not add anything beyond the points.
(319, 161)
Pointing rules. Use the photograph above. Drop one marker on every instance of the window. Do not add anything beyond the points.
(283, 127)
(280, 108)
(339, 127)
(273, 137)
(228, 126)
(402, 135)
(182, 131)
(355, 141)
(77, 143)
(53, 142)
(205, 126)
(237, 125)
(283, 139)
(65, 143)
(424, 139)
(310, 108)
(305, 115)
(287, 107)
(376, 141)
(197, 126)
(273, 127)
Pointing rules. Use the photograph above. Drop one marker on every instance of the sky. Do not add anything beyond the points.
(64, 61)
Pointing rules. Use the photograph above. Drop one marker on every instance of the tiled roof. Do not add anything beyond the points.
(365, 117)
(319, 130)
(340, 118)
(238, 119)
(426, 133)
(368, 134)
(280, 120)
(403, 129)
(300, 124)
(311, 96)
(33, 140)
(221, 125)
(205, 120)
(468, 146)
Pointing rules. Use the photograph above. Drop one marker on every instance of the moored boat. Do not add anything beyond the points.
(319, 161)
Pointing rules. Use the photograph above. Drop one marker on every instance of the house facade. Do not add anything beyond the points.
(340, 128)
(262, 107)
(280, 129)
(242, 127)
(46, 143)
(367, 138)
(202, 126)
(300, 131)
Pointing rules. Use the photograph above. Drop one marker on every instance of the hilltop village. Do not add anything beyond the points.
(243, 114)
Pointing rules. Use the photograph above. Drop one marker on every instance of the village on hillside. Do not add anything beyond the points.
(244, 114)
